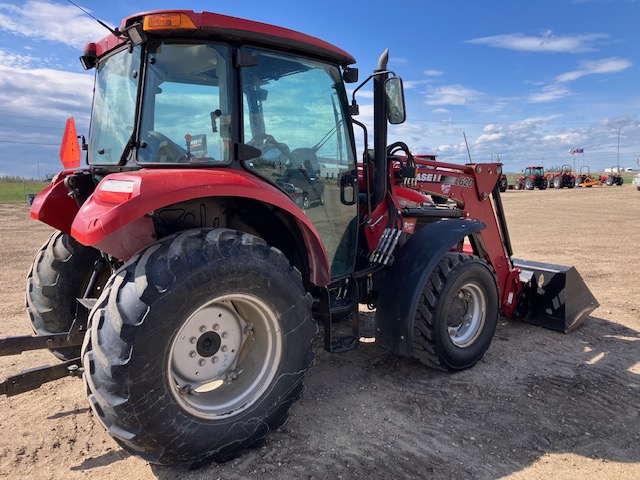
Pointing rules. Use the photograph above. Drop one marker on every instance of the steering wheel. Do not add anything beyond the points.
(263, 140)
(161, 148)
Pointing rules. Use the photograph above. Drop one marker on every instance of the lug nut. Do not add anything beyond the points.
(193, 340)
(224, 335)
(224, 348)
(216, 327)
(214, 359)
(201, 362)
(192, 354)
(203, 329)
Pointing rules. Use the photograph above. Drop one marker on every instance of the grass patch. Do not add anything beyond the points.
(14, 190)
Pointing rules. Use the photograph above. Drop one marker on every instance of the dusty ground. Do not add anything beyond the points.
(540, 405)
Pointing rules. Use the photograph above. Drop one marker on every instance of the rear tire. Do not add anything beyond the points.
(609, 181)
(457, 313)
(529, 184)
(59, 274)
(557, 182)
(198, 347)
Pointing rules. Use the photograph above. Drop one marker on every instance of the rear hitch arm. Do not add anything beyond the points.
(36, 377)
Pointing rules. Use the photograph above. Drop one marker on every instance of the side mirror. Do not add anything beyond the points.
(396, 112)
(350, 75)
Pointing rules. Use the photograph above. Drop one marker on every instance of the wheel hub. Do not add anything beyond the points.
(466, 315)
(208, 344)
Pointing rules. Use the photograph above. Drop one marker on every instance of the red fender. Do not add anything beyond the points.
(54, 206)
(116, 223)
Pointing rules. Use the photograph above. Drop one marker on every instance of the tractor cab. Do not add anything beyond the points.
(536, 172)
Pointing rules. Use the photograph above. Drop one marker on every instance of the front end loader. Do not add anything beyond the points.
(187, 272)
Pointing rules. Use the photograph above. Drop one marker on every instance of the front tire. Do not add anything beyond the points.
(198, 347)
(457, 313)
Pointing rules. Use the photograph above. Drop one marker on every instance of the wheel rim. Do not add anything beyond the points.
(225, 355)
(466, 315)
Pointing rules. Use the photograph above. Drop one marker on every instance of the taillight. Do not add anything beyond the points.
(114, 191)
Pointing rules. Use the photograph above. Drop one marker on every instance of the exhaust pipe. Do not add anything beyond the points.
(553, 296)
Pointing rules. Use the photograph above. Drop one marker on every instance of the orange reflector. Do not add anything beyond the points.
(167, 21)
(70, 149)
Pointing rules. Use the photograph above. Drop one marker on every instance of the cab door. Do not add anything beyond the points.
(294, 112)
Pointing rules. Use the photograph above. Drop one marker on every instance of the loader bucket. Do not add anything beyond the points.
(554, 296)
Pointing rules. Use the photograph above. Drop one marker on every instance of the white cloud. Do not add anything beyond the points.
(433, 73)
(546, 43)
(64, 24)
(452, 95)
(607, 65)
(550, 93)
(41, 92)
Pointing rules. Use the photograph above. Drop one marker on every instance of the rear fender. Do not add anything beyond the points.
(54, 206)
(404, 282)
(122, 228)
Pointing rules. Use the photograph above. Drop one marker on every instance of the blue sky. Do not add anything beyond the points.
(525, 80)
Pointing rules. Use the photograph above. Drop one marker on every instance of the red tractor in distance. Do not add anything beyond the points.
(184, 279)
(563, 179)
(614, 177)
(532, 177)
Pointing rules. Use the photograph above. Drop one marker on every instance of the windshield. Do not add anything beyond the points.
(186, 107)
(114, 106)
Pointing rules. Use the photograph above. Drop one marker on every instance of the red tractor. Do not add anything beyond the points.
(531, 178)
(562, 179)
(614, 177)
(184, 279)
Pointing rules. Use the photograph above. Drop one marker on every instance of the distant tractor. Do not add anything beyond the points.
(613, 178)
(532, 177)
(563, 178)
(585, 179)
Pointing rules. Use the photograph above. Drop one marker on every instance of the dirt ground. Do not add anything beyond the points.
(540, 404)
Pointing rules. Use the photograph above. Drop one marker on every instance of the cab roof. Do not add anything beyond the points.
(214, 25)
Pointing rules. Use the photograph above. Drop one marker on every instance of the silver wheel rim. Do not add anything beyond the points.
(225, 356)
(466, 315)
